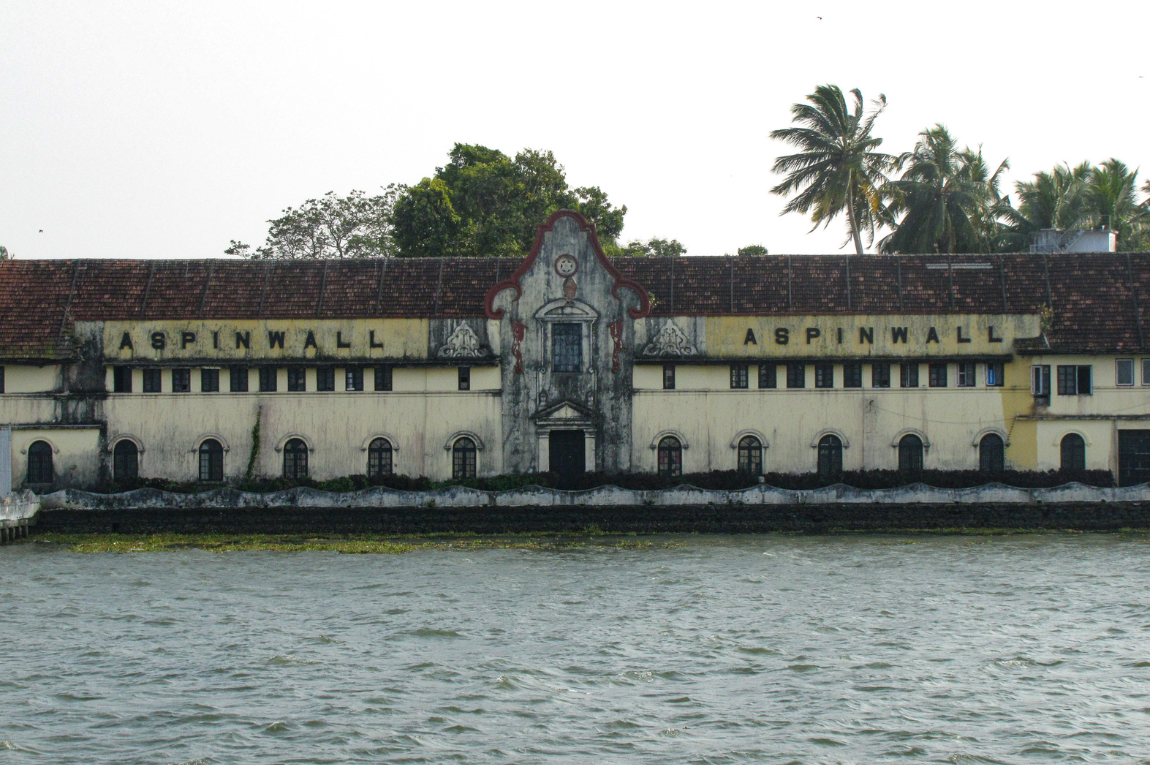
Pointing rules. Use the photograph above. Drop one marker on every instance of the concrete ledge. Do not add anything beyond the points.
(602, 496)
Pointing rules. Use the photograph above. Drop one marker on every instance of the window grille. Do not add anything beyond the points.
(181, 380)
(238, 379)
(152, 381)
(125, 460)
(383, 378)
(824, 375)
(567, 347)
(211, 460)
(295, 459)
(379, 458)
(670, 454)
(966, 374)
(268, 381)
(937, 375)
(750, 455)
(768, 376)
(796, 376)
(738, 375)
(297, 379)
(880, 375)
(325, 379)
(463, 454)
(1074, 380)
(852, 374)
(908, 375)
(209, 381)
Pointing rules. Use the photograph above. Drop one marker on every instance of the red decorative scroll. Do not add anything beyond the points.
(616, 329)
(518, 332)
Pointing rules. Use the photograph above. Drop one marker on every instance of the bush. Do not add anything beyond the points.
(720, 480)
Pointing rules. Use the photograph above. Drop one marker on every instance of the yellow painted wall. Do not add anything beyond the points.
(75, 454)
(726, 336)
(401, 338)
(31, 379)
(419, 416)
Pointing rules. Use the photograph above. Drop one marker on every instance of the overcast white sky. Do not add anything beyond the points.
(164, 129)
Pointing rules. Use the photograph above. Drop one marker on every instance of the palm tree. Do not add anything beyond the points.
(837, 168)
(1111, 199)
(948, 198)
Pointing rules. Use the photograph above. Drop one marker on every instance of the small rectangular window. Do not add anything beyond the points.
(995, 374)
(1124, 372)
(937, 375)
(121, 379)
(567, 347)
(353, 378)
(238, 377)
(1040, 381)
(668, 377)
(297, 379)
(738, 375)
(325, 379)
(465, 378)
(382, 378)
(268, 380)
(181, 380)
(796, 376)
(768, 376)
(908, 375)
(1146, 371)
(152, 382)
(209, 380)
(1085, 380)
(852, 374)
(2, 379)
(967, 374)
(824, 375)
(880, 375)
(1074, 380)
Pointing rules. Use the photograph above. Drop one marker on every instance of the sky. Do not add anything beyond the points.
(165, 130)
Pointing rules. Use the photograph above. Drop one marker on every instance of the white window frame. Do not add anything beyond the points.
(1118, 373)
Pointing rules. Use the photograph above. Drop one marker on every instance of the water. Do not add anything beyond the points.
(728, 650)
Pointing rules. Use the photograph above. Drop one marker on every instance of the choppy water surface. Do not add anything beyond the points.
(728, 650)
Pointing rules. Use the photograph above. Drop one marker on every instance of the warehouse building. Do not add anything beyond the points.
(567, 360)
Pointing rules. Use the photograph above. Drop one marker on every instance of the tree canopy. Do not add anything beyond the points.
(481, 203)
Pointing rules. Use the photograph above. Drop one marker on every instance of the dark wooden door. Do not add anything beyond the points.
(567, 454)
(1133, 457)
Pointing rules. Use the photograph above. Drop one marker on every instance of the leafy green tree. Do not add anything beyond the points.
(355, 226)
(484, 203)
(753, 249)
(654, 248)
(948, 199)
(838, 168)
(1054, 199)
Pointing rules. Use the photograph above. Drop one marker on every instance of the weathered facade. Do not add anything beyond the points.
(567, 360)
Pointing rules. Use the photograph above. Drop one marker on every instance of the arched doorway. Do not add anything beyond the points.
(463, 458)
(991, 454)
(40, 462)
(125, 460)
(910, 454)
(211, 460)
(830, 457)
(1073, 452)
(750, 455)
(379, 458)
(670, 455)
(295, 459)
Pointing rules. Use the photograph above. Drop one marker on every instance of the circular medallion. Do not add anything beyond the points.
(566, 265)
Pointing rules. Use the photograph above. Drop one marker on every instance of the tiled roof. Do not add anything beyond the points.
(1101, 302)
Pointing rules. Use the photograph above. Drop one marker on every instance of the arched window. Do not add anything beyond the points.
(379, 458)
(1073, 452)
(991, 454)
(295, 459)
(40, 462)
(750, 455)
(910, 454)
(211, 460)
(463, 458)
(670, 457)
(830, 457)
(125, 460)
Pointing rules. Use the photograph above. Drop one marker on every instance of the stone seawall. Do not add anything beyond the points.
(726, 519)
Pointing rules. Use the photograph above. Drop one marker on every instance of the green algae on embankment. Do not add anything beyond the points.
(352, 543)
